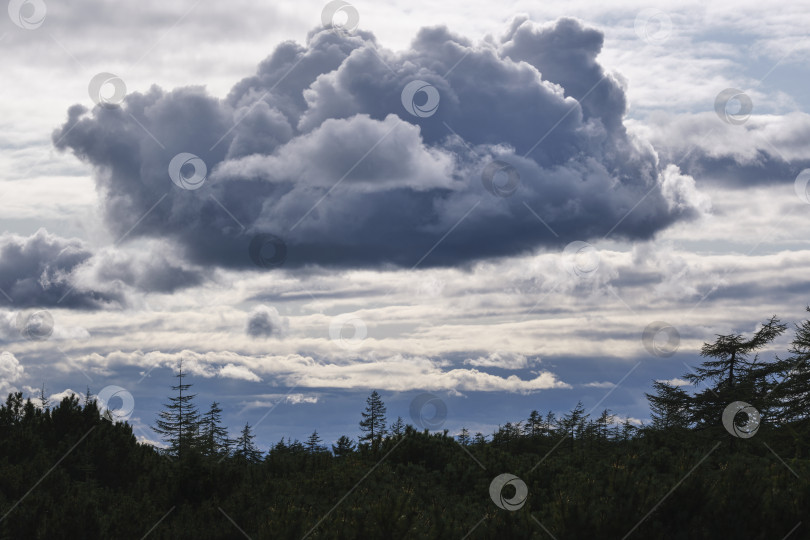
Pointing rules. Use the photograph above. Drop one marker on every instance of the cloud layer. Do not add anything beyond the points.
(320, 149)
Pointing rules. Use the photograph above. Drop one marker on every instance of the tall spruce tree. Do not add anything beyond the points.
(178, 423)
(214, 439)
(373, 423)
(245, 448)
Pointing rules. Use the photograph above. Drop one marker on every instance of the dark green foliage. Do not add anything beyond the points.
(66, 472)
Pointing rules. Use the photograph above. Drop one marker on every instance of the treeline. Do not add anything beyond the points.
(697, 471)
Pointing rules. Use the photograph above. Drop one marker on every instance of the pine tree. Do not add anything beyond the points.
(792, 392)
(313, 444)
(179, 421)
(214, 439)
(344, 446)
(731, 376)
(244, 448)
(669, 406)
(398, 427)
(572, 424)
(534, 424)
(603, 423)
(464, 437)
(373, 423)
(43, 398)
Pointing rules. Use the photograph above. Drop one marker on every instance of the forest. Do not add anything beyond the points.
(725, 457)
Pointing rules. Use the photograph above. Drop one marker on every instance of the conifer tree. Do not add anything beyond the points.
(313, 444)
(178, 423)
(398, 427)
(669, 406)
(344, 446)
(244, 447)
(214, 439)
(373, 423)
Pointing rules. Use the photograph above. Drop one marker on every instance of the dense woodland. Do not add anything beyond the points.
(67, 471)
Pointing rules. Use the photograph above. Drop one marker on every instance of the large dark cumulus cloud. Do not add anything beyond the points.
(318, 149)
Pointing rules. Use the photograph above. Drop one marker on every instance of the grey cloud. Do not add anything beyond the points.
(266, 322)
(36, 271)
(317, 149)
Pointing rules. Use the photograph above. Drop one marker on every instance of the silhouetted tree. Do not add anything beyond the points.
(244, 447)
(344, 446)
(398, 427)
(313, 444)
(373, 423)
(178, 423)
(214, 439)
(669, 406)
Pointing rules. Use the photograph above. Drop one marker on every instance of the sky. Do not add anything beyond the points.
(477, 211)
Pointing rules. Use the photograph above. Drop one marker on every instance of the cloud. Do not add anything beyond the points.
(676, 382)
(232, 371)
(36, 271)
(265, 322)
(11, 371)
(503, 360)
(318, 149)
(764, 150)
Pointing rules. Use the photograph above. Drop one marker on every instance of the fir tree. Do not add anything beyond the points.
(373, 423)
(344, 446)
(313, 444)
(214, 439)
(178, 422)
(398, 427)
(669, 406)
(244, 447)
